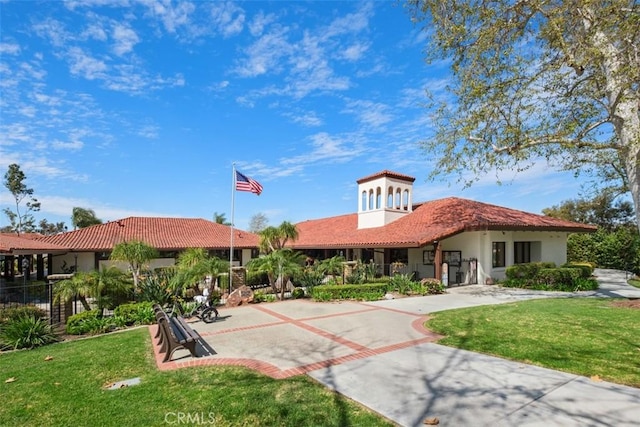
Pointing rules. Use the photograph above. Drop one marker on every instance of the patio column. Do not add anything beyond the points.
(437, 261)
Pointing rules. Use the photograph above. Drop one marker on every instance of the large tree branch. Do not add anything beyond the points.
(577, 141)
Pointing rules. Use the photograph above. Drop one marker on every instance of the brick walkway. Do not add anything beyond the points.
(290, 338)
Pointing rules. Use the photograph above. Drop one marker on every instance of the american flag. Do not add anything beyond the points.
(244, 183)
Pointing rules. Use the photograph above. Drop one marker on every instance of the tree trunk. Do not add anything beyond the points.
(624, 106)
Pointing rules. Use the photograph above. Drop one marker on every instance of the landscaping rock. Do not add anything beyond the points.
(242, 295)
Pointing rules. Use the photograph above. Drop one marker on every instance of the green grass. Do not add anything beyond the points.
(587, 337)
(634, 282)
(69, 390)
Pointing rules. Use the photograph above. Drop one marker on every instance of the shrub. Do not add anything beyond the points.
(15, 312)
(367, 292)
(297, 293)
(586, 269)
(310, 278)
(258, 296)
(156, 287)
(527, 270)
(558, 278)
(432, 286)
(26, 331)
(89, 322)
(402, 283)
(134, 314)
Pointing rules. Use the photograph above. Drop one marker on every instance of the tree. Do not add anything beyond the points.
(48, 228)
(280, 266)
(136, 253)
(104, 287)
(21, 221)
(603, 211)
(274, 238)
(555, 81)
(195, 264)
(82, 218)
(220, 219)
(258, 223)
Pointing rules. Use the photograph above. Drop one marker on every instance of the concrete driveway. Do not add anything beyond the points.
(379, 354)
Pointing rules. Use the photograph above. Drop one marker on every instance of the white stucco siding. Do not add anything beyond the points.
(84, 261)
(544, 246)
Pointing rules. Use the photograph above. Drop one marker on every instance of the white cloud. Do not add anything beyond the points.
(355, 51)
(67, 145)
(172, 15)
(228, 18)
(259, 22)
(95, 31)
(370, 114)
(309, 118)
(83, 64)
(265, 54)
(124, 39)
(9, 49)
(325, 148)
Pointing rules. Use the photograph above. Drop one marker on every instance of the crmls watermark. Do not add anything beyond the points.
(195, 418)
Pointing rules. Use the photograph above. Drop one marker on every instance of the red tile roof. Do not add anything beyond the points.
(161, 233)
(26, 244)
(387, 173)
(430, 221)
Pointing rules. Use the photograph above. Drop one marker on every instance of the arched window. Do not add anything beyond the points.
(378, 198)
(397, 205)
(371, 199)
(405, 200)
(390, 198)
(363, 203)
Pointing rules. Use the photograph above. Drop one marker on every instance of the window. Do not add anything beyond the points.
(364, 200)
(521, 252)
(378, 198)
(371, 200)
(497, 254)
(390, 198)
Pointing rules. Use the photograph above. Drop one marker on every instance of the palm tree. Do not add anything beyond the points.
(274, 238)
(220, 219)
(76, 286)
(81, 218)
(279, 265)
(333, 266)
(194, 264)
(104, 287)
(136, 253)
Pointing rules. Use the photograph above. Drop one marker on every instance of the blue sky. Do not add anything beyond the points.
(140, 108)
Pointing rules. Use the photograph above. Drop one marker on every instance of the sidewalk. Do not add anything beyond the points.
(463, 388)
(379, 354)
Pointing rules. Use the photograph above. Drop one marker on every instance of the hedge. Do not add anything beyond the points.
(366, 292)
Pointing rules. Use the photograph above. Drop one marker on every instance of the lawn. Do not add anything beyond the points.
(584, 336)
(69, 390)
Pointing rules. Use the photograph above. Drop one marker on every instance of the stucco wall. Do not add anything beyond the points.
(545, 246)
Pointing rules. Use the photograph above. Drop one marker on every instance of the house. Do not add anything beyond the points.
(89, 248)
(14, 249)
(458, 240)
(475, 240)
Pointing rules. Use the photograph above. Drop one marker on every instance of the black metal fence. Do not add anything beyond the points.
(38, 294)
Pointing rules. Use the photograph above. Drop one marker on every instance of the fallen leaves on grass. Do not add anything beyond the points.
(10, 380)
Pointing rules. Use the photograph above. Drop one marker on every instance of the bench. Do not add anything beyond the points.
(174, 333)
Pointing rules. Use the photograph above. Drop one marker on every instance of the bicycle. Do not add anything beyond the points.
(204, 311)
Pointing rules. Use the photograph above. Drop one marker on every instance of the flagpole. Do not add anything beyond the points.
(233, 206)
